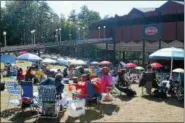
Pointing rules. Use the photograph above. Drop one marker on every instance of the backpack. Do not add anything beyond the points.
(130, 92)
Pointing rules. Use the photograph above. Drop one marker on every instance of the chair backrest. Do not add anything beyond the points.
(149, 76)
(13, 88)
(90, 90)
(27, 88)
(47, 92)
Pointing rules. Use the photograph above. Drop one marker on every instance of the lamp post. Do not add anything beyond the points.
(60, 33)
(4, 33)
(56, 34)
(33, 35)
(104, 27)
(70, 36)
(79, 33)
(83, 32)
(99, 30)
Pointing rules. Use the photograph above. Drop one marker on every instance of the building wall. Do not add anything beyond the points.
(127, 30)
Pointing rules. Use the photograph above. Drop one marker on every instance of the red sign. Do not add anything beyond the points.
(151, 30)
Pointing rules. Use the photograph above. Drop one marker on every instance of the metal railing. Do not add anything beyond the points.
(53, 44)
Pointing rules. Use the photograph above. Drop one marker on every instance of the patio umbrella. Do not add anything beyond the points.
(156, 65)
(62, 61)
(139, 68)
(178, 70)
(94, 63)
(54, 57)
(105, 63)
(80, 62)
(29, 57)
(7, 59)
(23, 52)
(48, 61)
(122, 64)
(130, 65)
(168, 53)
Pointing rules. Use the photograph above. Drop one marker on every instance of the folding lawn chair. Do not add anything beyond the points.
(27, 92)
(48, 102)
(14, 91)
(148, 81)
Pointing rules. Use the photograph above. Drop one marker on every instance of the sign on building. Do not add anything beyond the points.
(151, 31)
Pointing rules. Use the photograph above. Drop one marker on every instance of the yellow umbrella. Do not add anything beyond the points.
(178, 70)
(139, 68)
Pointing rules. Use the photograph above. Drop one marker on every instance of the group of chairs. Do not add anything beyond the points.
(25, 90)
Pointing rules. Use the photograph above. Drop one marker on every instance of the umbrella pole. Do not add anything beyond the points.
(171, 68)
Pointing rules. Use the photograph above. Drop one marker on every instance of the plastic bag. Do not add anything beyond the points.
(106, 97)
(76, 108)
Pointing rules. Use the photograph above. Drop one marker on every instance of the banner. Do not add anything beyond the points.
(151, 31)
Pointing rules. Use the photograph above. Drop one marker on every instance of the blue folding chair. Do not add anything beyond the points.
(13, 90)
(27, 92)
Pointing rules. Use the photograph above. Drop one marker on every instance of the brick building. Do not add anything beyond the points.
(127, 30)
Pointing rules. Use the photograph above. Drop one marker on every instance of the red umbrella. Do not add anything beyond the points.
(156, 65)
(23, 52)
(130, 65)
(105, 63)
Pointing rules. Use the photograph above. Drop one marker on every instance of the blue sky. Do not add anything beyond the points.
(103, 7)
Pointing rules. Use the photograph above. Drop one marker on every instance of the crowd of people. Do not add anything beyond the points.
(98, 79)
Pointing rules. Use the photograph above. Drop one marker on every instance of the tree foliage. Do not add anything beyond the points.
(19, 18)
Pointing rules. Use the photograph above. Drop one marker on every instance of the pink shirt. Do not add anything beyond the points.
(105, 81)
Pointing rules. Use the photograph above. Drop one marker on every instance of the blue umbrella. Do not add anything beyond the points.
(94, 63)
(29, 57)
(7, 59)
(62, 61)
(168, 53)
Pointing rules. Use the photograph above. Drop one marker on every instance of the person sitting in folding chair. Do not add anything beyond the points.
(148, 80)
(106, 80)
(86, 89)
(57, 82)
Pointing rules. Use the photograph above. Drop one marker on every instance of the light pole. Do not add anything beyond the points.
(104, 27)
(60, 33)
(83, 32)
(56, 34)
(4, 33)
(70, 36)
(33, 40)
(99, 30)
(106, 48)
(79, 33)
